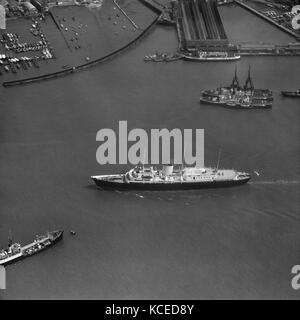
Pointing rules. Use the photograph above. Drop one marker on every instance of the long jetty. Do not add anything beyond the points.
(126, 15)
(264, 49)
(153, 5)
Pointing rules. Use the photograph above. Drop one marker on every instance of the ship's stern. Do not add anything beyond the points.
(242, 177)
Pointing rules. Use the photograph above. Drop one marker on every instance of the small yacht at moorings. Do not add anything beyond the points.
(168, 178)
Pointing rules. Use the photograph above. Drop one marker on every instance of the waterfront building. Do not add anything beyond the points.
(200, 26)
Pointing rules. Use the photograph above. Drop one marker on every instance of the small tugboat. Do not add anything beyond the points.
(15, 251)
(163, 57)
(238, 97)
(142, 178)
(291, 94)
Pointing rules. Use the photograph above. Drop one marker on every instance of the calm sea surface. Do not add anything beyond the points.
(227, 243)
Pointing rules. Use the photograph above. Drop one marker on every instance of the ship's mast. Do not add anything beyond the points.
(182, 160)
(10, 239)
(249, 83)
(235, 80)
(144, 159)
(219, 156)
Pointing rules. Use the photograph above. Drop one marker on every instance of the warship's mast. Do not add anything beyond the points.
(235, 80)
(10, 239)
(249, 83)
(219, 157)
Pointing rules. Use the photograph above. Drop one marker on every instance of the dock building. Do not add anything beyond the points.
(200, 27)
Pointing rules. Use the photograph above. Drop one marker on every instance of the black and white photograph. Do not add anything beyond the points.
(149, 151)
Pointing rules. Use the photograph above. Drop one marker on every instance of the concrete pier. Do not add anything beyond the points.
(265, 49)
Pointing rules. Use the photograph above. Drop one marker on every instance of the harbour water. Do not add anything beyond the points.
(226, 243)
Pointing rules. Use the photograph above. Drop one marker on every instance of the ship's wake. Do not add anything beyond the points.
(275, 182)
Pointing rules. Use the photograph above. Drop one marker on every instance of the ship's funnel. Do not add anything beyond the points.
(167, 170)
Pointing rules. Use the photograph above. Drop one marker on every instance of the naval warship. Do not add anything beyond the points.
(238, 97)
(169, 178)
(15, 251)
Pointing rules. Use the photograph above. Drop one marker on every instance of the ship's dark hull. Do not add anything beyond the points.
(237, 106)
(13, 261)
(290, 94)
(105, 184)
(34, 253)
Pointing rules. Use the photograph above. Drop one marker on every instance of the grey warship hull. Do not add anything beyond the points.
(237, 105)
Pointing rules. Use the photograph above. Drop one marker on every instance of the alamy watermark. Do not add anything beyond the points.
(296, 18)
(176, 146)
(296, 277)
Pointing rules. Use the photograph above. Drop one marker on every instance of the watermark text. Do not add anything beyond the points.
(162, 147)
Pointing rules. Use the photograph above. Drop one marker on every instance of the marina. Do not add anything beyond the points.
(68, 69)
(200, 31)
(79, 44)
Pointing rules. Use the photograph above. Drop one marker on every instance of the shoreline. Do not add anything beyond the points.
(78, 67)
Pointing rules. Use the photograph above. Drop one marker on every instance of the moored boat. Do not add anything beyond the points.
(163, 57)
(291, 94)
(239, 97)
